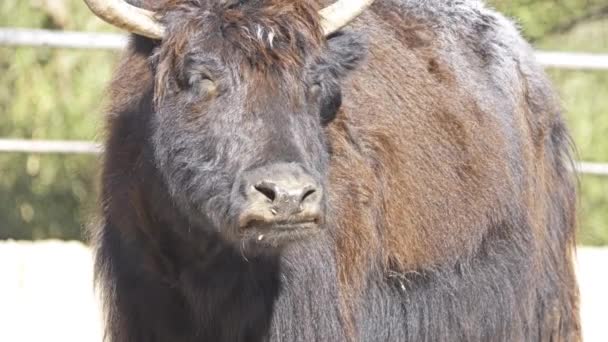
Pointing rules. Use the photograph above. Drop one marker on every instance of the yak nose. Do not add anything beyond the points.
(287, 195)
(281, 193)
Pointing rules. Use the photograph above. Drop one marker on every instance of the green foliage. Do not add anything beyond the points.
(576, 25)
(584, 95)
(57, 94)
(48, 94)
(541, 18)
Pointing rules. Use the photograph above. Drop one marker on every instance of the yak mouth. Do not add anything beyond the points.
(280, 233)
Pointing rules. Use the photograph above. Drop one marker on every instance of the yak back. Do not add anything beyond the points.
(450, 162)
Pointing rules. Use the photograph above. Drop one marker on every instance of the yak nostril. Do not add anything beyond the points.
(307, 193)
(279, 196)
(267, 189)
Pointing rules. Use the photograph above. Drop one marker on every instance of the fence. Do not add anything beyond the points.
(85, 40)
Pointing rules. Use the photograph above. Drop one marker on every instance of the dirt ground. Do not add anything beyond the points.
(46, 293)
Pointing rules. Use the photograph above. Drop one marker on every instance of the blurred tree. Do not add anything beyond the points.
(541, 18)
(55, 94)
(49, 94)
(576, 25)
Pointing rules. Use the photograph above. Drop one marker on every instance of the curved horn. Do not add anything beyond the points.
(142, 22)
(340, 13)
(127, 17)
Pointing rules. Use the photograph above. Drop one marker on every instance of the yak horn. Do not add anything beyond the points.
(340, 13)
(142, 22)
(127, 17)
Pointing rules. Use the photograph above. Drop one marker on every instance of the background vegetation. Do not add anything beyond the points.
(56, 94)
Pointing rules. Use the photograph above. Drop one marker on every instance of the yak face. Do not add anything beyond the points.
(242, 93)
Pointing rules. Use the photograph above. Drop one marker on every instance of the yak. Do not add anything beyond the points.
(296, 170)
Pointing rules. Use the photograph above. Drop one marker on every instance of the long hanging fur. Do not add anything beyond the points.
(451, 213)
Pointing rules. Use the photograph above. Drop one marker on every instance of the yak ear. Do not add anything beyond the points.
(345, 51)
(331, 100)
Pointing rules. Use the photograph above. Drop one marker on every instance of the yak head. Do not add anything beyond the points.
(243, 90)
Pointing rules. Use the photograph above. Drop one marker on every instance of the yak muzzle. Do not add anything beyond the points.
(281, 200)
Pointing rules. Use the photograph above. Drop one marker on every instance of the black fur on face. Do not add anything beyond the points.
(235, 91)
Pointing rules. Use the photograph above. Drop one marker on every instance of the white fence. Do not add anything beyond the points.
(85, 40)
(49, 146)
(569, 60)
(87, 147)
(61, 39)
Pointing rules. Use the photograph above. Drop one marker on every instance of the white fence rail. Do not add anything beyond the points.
(114, 41)
(61, 39)
(597, 169)
(88, 147)
(569, 60)
(49, 146)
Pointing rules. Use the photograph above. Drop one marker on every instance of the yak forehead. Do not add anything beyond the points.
(266, 34)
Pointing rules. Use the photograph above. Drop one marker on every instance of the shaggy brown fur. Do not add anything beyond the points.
(446, 176)
(451, 209)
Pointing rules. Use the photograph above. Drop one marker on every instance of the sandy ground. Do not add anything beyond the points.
(46, 293)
